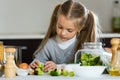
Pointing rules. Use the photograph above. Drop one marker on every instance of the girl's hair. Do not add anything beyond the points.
(85, 20)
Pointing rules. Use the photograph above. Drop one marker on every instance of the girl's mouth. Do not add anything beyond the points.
(63, 38)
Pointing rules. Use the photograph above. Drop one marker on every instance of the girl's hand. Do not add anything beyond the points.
(34, 64)
(108, 50)
(49, 65)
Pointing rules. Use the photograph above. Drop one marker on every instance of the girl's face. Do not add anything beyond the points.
(65, 28)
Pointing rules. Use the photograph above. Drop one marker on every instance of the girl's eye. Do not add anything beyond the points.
(69, 30)
(60, 27)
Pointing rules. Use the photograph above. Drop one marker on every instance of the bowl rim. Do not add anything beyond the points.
(93, 66)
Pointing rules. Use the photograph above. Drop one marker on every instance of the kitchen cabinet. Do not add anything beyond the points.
(28, 47)
(106, 37)
(106, 42)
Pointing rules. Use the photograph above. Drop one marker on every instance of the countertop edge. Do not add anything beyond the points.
(110, 35)
(41, 36)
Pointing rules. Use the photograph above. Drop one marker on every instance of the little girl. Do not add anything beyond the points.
(71, 25)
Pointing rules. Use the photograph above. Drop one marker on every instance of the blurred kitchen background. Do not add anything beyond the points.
(23, 23)
(33, 16)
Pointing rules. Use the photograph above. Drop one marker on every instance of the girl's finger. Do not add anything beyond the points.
(48, 68)
(33, 65)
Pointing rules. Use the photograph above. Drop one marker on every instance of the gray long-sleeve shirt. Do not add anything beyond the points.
(52, 52)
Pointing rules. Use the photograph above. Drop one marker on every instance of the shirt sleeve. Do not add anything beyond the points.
(43, 55)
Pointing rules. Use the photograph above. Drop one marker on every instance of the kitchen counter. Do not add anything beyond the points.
(110, 35)
(47, 77)
(22, 36)
(41, 36)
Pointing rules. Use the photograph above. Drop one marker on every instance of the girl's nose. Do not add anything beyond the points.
(63, 32)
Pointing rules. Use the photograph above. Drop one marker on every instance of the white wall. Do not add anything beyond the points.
(25, 16)
(103, 8)
(33, 16)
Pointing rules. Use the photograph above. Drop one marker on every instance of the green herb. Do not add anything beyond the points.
(88, 59)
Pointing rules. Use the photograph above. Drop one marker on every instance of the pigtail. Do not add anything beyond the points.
(94, 27)
(89, 28)
(51, 30)
(90, 31)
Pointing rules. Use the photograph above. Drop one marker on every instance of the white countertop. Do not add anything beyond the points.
(41, 36)
(22, 36)
(45, 77)
(110, 35)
